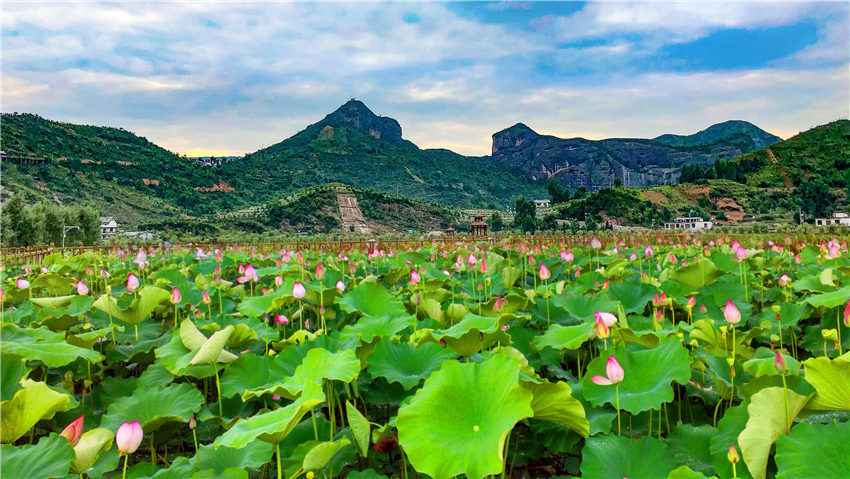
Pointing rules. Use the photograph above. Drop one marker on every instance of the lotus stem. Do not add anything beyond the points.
(124, 472)
(787, 409)
(218, 390)
(617, 394)
(197, 453)
(277, 457)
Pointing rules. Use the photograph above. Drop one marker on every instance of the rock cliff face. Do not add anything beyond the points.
(355, 113)
(578, 162)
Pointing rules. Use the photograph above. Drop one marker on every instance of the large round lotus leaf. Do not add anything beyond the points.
(469, 336)
(270, 426)
(146, 300)
(404, 363)
(697, 274)
(610, 456)
(34, 402)
(648, 374)
(368, 327)
(691, 445)
(576, 307)
(457, 423)
(51, 457)
(371, 299)
(814, 450)
(831, 299)
(43, 345)
(766, 423)
(564, 337)
(320, 364)
(153, 407)
(633, 297)
(831, 380)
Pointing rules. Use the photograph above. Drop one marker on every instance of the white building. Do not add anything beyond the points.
(694, 223)
(838, 218)
(542, 203)
(108, 227)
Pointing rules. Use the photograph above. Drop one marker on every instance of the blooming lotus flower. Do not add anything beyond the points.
(633, 257)
(249, 274)
(175, 295)
(128, 437)
(82, 289)
(779, 363)
(569, 257)
(73, 431)
(218, 257)
(414, 277)
(205, 297)
(602, 330)
(281, 319)
(607, 318)
(104, 273)
(595, 243)
(613, 371)
(298, 290)
(22, 283)
(27, 270)
(544, 272)
(320, 272)
(132, 282)
(563, 255)
(731, 313)
(340, 286)
(647, 251)
(784, 280)
(471, 259)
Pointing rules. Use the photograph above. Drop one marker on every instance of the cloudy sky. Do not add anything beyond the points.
(229, 78)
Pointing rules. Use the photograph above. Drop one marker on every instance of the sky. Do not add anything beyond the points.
(222, 78)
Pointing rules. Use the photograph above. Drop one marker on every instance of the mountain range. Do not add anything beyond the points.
(128, 176)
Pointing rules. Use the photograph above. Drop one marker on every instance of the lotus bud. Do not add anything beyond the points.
(175, 295)
(607, 318)
(132, 282)
(281, 319)
(320, 272)
(499, 305)
(602, 331)
(298, 290)
(613, 371)
(847, 315)
(82, 289)
(732, 455)
(779, 363)
(22, 283)
(731, 313)
(578, 273)
(702, 309)
(192, 422)
(278, 281)
(633, 257)
(482, 266)
(27, 270)
(128, 437)
(692, 301)
(104, 273)
(647, 251)
(595, 244)
(505, 327)
(340, 286)
(73, 431)
(544, 272)
(784, 280)
(480, 286)
(205, 297)
(531, 260)
(414, 277)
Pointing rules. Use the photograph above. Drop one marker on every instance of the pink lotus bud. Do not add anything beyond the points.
(241, 268)
(175, 295)
(479, 286)
(672, 258)
(298, 290)
(607, 318)
(595, 244)
(570, 257)
(132, 282)
(692, 301)
(281, 319)
(784, 280)
(278, 281)
(128, 437)
(633, 257)
(471, 259)
(22, 283)
(563, 255)
(578, 272)
(847, 315)
(499, 305)
(205, 298)
(732, 455)
(613, 371)
(320, 272)
(731, 313)
(73, 431)
(647, 251)
(218, 257)
(340, 286)
(414, 277)
(192, 423)
(82, 289)
(483, 266)
(531, 260)
(702, 309)
(505, 327)
(656, 301)
(779, 363)
(104, 273)
(544, 272)
(602, 330)
(27, 270)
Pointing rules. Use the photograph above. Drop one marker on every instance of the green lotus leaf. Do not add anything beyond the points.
(50, 458)
(247, 373)
(610, 456)
(685, 472)
(761, 364)
(92, 443)
(53, 302)
(193, 338)
(371, 299)
(217, 459)
(147, 299)
(12, 369)
(43, 345)
(633, 297)
(648, 374)
(155, 376)
(270, 426)
(320, 454)
(176, 358)
(320, 364)
(829, 300)
(405, 363)
(153, 407)
(32, 403)
(212, 350)
(691, 445)
(360, 428)
(814, 450)
(766, 423)
(475, 406)
(554, 402)
(256, 306)
(697, 274)
(369, 327)
(470, 335)
(564, 337)
(54, 283)
(831, 380)
(578, 307)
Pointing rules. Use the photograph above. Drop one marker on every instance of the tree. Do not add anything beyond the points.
(557, 192)
(618, 183)
(496, 222)
(816, 197)
(524, 215)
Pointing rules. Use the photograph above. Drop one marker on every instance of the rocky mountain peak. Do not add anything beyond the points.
(355, 113)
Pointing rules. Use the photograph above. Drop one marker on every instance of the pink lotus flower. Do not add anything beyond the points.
(27, 270)
(132, 282)
(731, 313)
(320, 272)
(281, 319)
(544, 272)
(128, 437)
(104, 273)
(471, 259)
(73, 431)
(414, 277)
(692, 301)
(249, 274)
(595, 244)
(602, 330)
(482, 267)
(340, 286)
(633, 257)
(192, 423)
(613, 371)
(22, 283)
(82, 289)
(218, 257)
(298, 290)
(569, 257)
(563, 255)
(531, 260)
(607, 318)
(278, 281)
(578, 273)
(175, 295)
(784, 280)
(647, 251)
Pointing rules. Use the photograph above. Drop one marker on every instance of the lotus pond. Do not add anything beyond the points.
(703, 357)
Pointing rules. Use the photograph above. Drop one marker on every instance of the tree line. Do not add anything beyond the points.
(43, 222)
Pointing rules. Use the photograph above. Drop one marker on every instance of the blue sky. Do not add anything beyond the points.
(229, 78)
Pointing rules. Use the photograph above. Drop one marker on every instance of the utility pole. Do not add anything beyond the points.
(65, 230)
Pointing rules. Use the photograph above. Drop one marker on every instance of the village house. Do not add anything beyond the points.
(838, 218)
(108, 227)
(692, 223)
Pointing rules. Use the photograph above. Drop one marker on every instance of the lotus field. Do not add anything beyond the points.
(697, 357)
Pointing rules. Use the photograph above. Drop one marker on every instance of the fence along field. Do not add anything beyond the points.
(618, 356)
